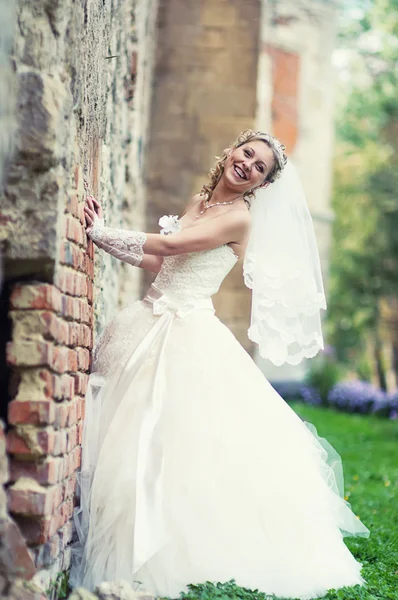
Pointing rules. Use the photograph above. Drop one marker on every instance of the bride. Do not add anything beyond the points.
(193, 467)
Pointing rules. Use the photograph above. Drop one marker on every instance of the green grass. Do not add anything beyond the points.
(369, 449)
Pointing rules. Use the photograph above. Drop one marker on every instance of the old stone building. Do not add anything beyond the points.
(130, 100)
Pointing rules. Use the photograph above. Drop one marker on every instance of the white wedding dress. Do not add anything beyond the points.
(193, 467)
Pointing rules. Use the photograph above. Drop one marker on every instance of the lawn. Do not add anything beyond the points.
(369, 449)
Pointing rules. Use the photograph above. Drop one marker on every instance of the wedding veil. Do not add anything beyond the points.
(282, 268)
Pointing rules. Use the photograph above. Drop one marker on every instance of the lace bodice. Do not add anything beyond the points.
(185, 281)
(184, 284)
(196, 275)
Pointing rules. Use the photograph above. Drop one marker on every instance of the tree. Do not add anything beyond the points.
(364, 264)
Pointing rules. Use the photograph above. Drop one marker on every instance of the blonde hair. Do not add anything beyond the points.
(248, 135)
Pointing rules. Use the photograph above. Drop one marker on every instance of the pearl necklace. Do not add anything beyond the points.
(207, 206)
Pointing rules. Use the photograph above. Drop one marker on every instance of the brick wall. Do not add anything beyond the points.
(82, 71)
(49, 360)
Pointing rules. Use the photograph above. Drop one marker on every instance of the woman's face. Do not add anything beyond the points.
(247, 167)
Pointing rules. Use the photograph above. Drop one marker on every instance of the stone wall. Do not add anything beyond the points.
(204, 95)
(82, 70)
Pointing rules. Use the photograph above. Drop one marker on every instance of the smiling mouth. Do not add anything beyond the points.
(240, 173)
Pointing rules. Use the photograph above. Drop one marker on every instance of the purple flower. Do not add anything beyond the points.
(310, 395)
(356, 396)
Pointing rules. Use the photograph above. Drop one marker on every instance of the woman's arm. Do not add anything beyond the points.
(120, 244)
(110, 240)
(229, 227)
(130, 246)
(151, 263)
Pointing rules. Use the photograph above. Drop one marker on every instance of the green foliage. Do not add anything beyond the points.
(364, 261)
(224, 591)
(59, 587)
(369, 450)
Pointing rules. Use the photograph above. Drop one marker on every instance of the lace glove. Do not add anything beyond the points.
(120, 243)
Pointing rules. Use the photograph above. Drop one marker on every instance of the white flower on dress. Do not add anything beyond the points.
(169, 223)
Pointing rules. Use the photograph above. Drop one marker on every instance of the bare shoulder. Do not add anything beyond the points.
(239, 218)
(194, 201)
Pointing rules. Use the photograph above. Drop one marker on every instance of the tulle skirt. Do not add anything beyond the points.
(194, 469)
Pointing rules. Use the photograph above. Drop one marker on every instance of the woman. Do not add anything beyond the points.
(193, 467)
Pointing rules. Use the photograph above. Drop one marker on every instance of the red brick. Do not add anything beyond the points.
(48, 471)
(82, 284)
(80, 407)
(72, 204)
(56, 386)
(89, 267)
(73, 334)
(74, 256)
(60, 442)
(30, 324)
(86, 313)
(81, 382)
(28, 498)
(67, 465)
(72, 437)
(72, 413)
(22, 353)
(73, 230)
(71, 282)
(37, 531)
(68, 307)
(83, 359)
(80, 428)
(68, 385)
(90, 291)
(80, 335)
(78, 177)
(60, 359)
(90, 249)
(75, 459)
(40, 529)
(34, 412)
(17, 553)
(46, 376)
(36, 296)
(87, 337)
(51, 326)
(285, 97)
(81, 215)
(61, 415)
(72, 360)
(63, 386)
(26, 440)
(69, 486)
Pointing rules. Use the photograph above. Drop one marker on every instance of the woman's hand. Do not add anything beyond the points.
(92, 211)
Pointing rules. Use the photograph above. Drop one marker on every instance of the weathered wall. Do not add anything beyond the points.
(81, 68)
(295, 102)
(204, 95)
